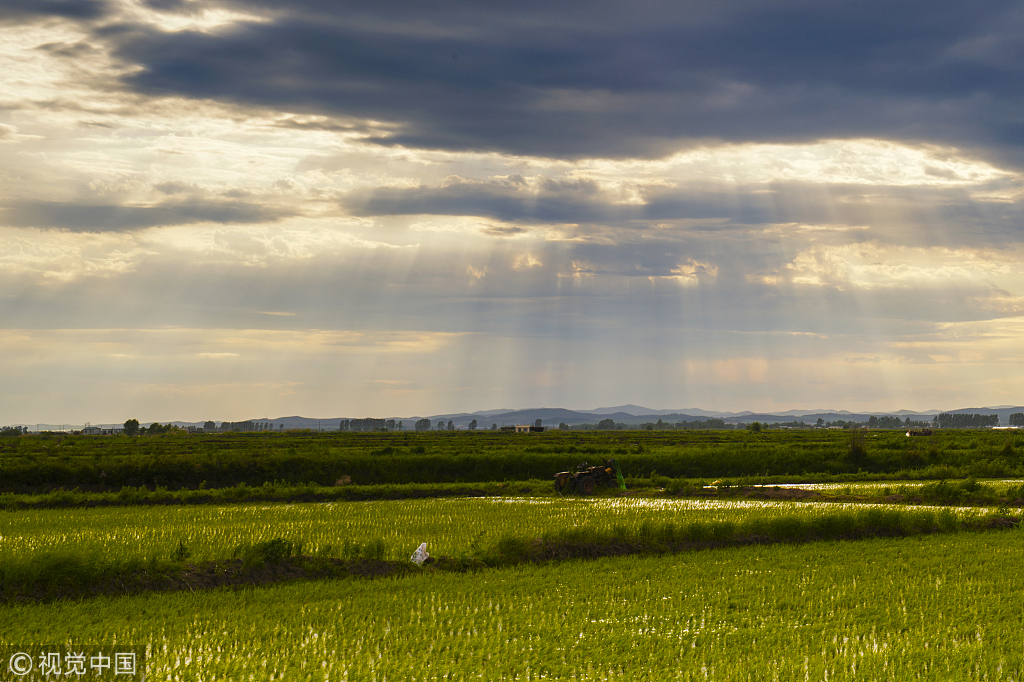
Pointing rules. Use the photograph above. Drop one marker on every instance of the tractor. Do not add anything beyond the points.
(585, 479)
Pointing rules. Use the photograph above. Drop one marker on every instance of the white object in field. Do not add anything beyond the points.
(420, 555)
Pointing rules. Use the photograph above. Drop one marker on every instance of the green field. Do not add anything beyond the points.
(32, 464)
(694, 600)
(932, 608)
(449, 526)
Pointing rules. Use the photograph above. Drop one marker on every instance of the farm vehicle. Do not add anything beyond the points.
(585, 479)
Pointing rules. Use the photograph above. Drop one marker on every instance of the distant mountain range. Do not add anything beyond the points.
(622, 414)
(635, 414)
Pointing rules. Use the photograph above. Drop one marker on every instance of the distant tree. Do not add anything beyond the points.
(422, 425)
(966, 421)
(440, 425)
(131, 427)
(494, 427)
(390, 425)
(472, 425)
(563, 427)
(451, 425)
(537, 423)
(11, 431)
(1017, 419)
(606, 425)
(399, 425)
(157, 427)
(755, 427)
(884, 422)
(820, 422)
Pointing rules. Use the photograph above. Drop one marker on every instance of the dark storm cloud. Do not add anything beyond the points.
(23, 10)
(599, 79)
(114, 218)
(172, 5)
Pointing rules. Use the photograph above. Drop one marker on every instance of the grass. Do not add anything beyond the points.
(771, 595)
(40, 464)
(968, 492)
(268, 492)
(448, 525)
(72, 571)
(936, 607)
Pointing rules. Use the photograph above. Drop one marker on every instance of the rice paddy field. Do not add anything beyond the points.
(947, 606)
(449, 526)
(944, 607)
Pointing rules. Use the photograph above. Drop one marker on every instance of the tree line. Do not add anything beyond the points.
(965, 421)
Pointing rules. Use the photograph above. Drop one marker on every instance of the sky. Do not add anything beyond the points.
(216, 209)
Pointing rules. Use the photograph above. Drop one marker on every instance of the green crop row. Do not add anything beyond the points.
(35, 464)
(270, 492)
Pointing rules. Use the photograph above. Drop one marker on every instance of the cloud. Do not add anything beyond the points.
(77, 217)
(727, 202)
(526, 261)
(540, 80)
(951, 216)
(24, 10)
(500, 200)
(504, 230)
(869, 266)
(176, 187)
(220, 343)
